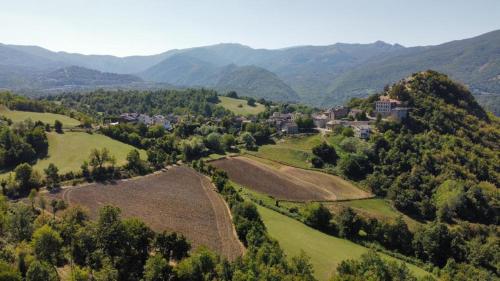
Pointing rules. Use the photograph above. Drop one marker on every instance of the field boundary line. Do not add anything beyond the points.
(225, 248)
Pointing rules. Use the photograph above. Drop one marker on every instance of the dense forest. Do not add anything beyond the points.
(113, 103)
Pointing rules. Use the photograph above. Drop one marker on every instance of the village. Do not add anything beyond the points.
(341, 116)
(285, 123)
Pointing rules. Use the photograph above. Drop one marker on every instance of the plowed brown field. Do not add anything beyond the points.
(178, 200)
(288, 183)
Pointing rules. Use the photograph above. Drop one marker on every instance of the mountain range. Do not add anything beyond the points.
(317, 75)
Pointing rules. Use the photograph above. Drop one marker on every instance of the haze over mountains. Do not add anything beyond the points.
(318, 75)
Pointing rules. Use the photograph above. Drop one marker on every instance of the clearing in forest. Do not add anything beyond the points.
(68, 150)
(45, 117)
(288, 183)
(179, 200)
(240, 106)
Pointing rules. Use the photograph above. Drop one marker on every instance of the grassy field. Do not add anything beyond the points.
(18, 116)
(68, 151)
(245, 109)
(373, 208)
(325, 251)
(296, 150)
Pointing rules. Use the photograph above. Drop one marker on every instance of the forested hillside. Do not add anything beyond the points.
(316, 75)
(443, 160)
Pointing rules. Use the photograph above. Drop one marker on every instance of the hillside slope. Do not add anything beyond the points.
(447, 135)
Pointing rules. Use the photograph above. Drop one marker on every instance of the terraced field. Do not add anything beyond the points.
(178, 200)
(288, 183)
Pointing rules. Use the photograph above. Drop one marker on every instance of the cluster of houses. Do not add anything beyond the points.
(341, 116)
(284, 122)
(330, 119)
(164, 121)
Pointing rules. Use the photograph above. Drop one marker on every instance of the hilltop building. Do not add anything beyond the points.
(388, 107)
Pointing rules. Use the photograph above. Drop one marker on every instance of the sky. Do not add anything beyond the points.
(143, 27)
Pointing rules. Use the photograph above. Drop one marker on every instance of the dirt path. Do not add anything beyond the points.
(227, 232)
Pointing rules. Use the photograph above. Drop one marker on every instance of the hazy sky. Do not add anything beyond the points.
(127, 27)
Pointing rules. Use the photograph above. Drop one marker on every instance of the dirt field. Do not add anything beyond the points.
(288, 183)
(178, 200)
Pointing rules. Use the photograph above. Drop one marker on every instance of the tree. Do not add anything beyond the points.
(228, 141)
(251, 101)
(193, 148)
(58, 126)
(432, 243)
(25, 177)
(79, 274)
(171, 245)
(317, 162)
(20, 222)
(317, 216)
(301, 266)
(305, 123)
(349, 224)
(42, 202)
(347, 132)
(32, 197)
(52, 177)
(47, 244)
(107, 272)
(110, 234)
(326, 152)
(354, 166)
(7, 273)
(213, 141)
(232, 94)
(136, 249)
(157, 269)
(134, 162)
(85, 169)
(372, 267)
(41, 271)
(98, 158)
(248, 140)
(200, 266)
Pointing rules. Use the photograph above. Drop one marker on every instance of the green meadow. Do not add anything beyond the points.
(325, 251)
(240, 107)
(50, 118)
(68, 150)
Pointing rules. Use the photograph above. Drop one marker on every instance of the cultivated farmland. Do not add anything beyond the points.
(178, 200)
(288, 183)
